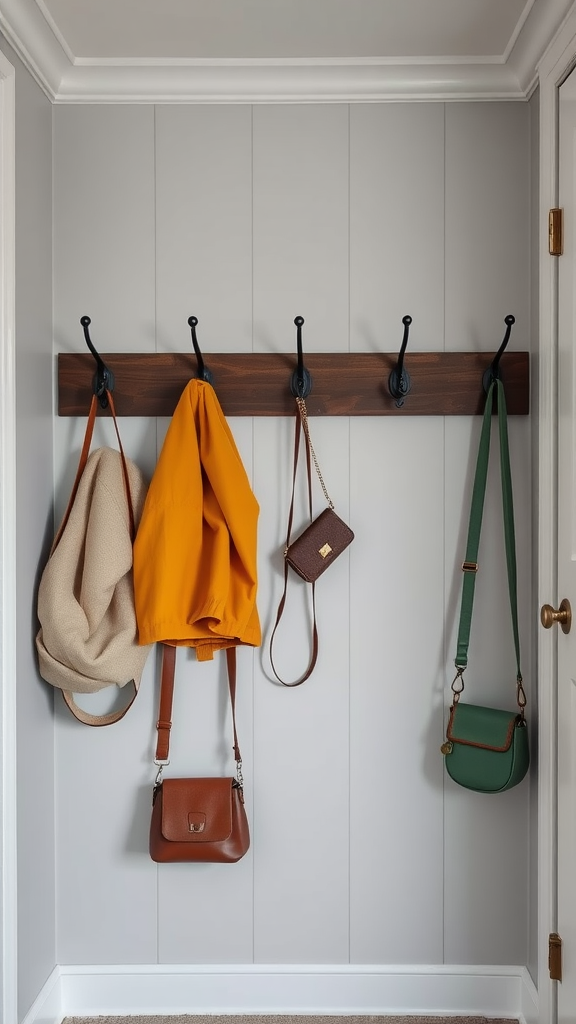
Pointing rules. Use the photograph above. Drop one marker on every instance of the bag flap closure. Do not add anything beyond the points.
(488, 728)
(197, 810)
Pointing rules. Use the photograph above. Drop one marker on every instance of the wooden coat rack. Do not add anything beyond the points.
(259, 384)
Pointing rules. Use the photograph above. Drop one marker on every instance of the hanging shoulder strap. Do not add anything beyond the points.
(301, 425)
(470, 564)
(82, 466)
(85, 716)
(164, 723)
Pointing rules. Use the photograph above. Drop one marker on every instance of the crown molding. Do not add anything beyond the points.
(259, 82)
(541, 25)
(32, 38)
(66, 79)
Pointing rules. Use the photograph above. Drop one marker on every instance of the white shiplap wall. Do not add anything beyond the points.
(362, 851)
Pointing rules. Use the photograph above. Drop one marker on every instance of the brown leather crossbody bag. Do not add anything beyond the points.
(198, 819)
(316, 547)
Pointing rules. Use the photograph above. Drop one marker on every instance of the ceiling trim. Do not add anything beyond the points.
(66, 79)
(276, 82)
(543, 23)
(30, 35)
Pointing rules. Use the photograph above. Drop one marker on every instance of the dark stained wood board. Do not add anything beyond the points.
(258, 384)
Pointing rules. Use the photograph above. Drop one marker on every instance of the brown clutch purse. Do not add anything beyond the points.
(317, 547)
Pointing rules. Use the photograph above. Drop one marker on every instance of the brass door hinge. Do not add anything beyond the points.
(555, 956)
(556, 232)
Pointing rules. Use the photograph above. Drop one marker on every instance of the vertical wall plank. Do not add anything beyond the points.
(301, 226)
(397, 572)
(201, 744)
(204, 227)
(104, 266)
(396, 226)
(396, 629)
(204, 268)
(105, 878)
(301, 759)
(301, 735)
(487, 224)
(487, 276)
(486, 837)
(104, 222)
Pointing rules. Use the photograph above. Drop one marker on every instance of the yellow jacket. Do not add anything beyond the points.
(195, 549)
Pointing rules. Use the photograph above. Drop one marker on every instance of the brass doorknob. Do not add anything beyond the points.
(549, 615)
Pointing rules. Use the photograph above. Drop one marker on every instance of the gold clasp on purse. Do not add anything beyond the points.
(447, 747)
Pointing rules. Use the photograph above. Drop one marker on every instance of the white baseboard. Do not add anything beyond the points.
(285, 989)
(530, 1004)
(47, 1007)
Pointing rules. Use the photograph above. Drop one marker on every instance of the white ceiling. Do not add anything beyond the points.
(286, 28)
(250, 51)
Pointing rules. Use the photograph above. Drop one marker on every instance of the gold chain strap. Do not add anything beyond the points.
(304, 418)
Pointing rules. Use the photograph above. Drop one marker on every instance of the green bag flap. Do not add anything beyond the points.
(487, 728)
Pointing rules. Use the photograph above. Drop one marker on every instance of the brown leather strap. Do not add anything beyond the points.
(79, 471)
(164, 723)
(124, 470)
(231, 667)
(97, 720)
(85, 716)
(82, 465)
(314, 655)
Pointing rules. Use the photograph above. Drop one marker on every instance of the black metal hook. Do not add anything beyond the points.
(203, 372)
(103, 379)
(493, 371)
(399, 379)
(301, 383)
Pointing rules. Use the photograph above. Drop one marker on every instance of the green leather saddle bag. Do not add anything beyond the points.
(486, 749)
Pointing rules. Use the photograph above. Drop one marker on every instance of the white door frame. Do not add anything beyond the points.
(557, 62)
(8, 893)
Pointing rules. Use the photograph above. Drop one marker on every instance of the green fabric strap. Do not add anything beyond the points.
(476, 509)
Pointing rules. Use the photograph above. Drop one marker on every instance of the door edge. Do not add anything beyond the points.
(556, 64)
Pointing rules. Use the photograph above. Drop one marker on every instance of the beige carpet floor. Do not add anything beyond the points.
(271, 1019)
